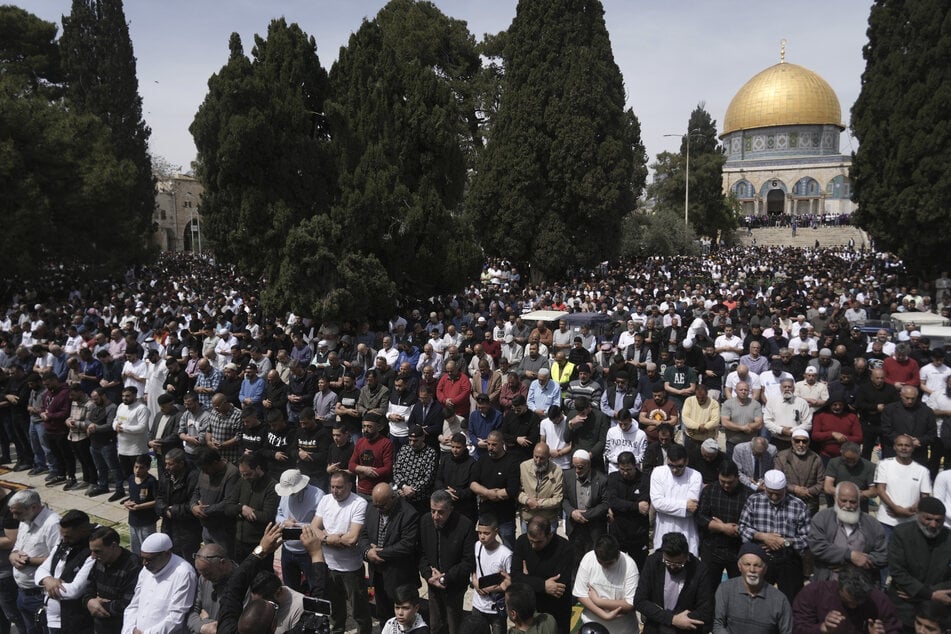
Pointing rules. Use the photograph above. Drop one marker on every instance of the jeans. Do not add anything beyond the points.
(348, 587)
(9, 613)
(41, 452)
(137, 535)
(507, 533)
(107, 461)
(29, 605)
(294, 566)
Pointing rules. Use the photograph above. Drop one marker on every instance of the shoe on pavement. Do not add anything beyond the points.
(118, 495)
(54, 480)
(93, 491)
(38, 471)
(24, 467)
(72, 483)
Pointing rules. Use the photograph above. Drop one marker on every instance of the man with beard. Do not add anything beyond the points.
(718, 517)
(741, 417)
(803, 468)
(414, 470)
(165, 591)
(673, 589)
(780, 522)
(543, 560)
(628, 507)
(843, 534)
(871, 398)
(542, 487)
(495, 481)
(372, 459)
(657, 410)
(736, 612)
(851, 603)
(588, 430)
(911, 418)
(918, 556)
(675, 495)
(173, 504)
(783, 416)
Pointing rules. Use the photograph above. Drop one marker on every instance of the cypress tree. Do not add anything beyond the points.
(564, 162)
(900, 176)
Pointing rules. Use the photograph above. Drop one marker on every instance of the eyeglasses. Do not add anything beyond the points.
(196, 557)
(673, 565)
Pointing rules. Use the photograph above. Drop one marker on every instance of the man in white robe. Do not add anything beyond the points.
(675, 493)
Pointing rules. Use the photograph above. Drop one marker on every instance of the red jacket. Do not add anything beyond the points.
(377, 454)
(457, 390)
(56, 405)
(906, 373)
(824, 423)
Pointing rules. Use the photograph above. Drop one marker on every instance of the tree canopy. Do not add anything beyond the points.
(263, 148)
(68, 191)
(710, 212)
(564, 162)
(900, 176)
(100, 72)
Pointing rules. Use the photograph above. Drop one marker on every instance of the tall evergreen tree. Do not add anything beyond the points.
(262, 146)
(99, 64)
(59, 172)
(710, 211)
(900, 176)
(402, 118)
(564, 162)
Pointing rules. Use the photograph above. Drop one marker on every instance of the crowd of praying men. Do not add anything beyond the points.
(716, 427)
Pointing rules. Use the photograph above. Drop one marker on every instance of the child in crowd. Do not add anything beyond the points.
(141, 502)
(406, 608)
(493, 562)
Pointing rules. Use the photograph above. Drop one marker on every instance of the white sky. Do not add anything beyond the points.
(672, 53)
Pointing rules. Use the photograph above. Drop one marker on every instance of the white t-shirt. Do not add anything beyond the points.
(942, 491)
(555, 438)
(904, 485)
(618, 441)
(489, 562)
(618, 581)
(337, 518)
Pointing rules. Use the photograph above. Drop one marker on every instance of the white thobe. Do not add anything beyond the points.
(162, 601)
(669, 497)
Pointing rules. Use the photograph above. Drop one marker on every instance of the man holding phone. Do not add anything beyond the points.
(295, 510)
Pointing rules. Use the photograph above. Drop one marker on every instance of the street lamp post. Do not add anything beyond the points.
(689, 135)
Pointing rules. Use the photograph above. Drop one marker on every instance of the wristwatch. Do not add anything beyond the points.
(786, 543)
(258, 552)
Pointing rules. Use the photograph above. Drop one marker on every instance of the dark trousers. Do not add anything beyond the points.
(126, 465)
(82, 452)
(19, 427)
(870, 437)
(786, 573)
(481, 623)
(717, 561)
(60, 446)
(107, 462)
(445, 610)
(349, 587)
(29, 604)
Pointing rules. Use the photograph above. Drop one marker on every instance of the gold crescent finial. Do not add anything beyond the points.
(782, 51)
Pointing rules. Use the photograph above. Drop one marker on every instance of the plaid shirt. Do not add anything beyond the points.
(727, 507)
(225, 427)
(212, 380)
(116, 583)
(790, 518)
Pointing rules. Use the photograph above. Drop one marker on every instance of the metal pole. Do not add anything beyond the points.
(198, 224)
(687, 187)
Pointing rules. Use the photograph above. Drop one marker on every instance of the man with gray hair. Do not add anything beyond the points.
(543, 393)
(845, 535)
(741, 417)
(37, 537)
(447, 561)
(784, 415)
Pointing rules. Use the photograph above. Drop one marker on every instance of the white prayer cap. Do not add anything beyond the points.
(156, 543)
(775, 479)
(582, 454)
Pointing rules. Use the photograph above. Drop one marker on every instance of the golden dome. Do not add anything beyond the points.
(784, 94)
